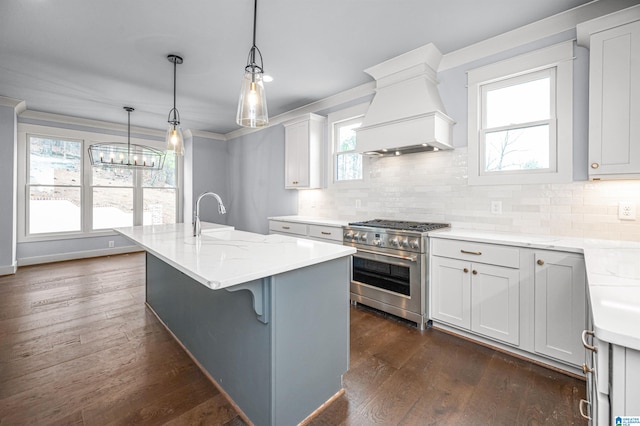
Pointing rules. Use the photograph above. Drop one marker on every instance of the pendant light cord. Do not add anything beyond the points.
(255, 13)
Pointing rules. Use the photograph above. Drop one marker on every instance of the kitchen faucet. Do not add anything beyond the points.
(196, 221)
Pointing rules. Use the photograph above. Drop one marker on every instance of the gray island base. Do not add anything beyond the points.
(276, 346)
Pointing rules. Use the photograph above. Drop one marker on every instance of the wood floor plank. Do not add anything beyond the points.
(78, 346)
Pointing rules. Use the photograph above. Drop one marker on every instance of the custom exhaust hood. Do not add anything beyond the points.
(406, 114)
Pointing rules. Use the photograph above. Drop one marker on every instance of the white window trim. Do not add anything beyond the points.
(88, 138)
(334, 118)
(560, 57)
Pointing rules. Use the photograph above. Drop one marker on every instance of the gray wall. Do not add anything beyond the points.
(256, 177)
(453, 90)
(206, 169)
(8, 183)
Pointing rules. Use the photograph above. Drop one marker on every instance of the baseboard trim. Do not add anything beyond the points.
(9, 270)
(61, 257)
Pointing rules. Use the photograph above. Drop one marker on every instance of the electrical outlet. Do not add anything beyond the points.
(496, 207)
(626, 210)
(112, 244)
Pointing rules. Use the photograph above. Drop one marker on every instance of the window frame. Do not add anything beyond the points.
(557, 60)
(335, 119)
(87, 138)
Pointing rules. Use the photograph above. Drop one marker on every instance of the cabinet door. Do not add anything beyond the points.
(450, 296)
(296, 155)
(614, 102)
(495, 302)
(560, 298)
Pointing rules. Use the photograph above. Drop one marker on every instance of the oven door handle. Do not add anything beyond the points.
(410, 258)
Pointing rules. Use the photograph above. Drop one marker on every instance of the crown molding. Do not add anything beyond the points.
(18, 105)
(207, 135)
(538, 30)
(77, 121)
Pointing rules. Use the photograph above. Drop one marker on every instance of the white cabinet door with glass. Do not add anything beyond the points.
(482, 298)
(560, 305)
(614, 93)
(304, 138)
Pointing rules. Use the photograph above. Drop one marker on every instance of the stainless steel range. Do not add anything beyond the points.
(389, 271)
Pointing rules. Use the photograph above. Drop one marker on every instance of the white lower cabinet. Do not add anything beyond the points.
(474, 296)
(527, 301)
(329, 233)
(560, 305)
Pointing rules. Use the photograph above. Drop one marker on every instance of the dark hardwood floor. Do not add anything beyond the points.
(77, 346)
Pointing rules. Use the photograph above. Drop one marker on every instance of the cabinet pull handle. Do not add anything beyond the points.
(586, 369)
(466, 270)
(540, 262)
(584, 402)
(584, 341)
(474, 272)
(325, 233)
(286, 227)
(595, 165)
(477, 253)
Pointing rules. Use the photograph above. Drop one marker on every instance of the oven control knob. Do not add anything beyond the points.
(363, 238)
(377, 242)
(348, 235)
(404, 242)
(394, 241)
(356, 236)
(414, 244)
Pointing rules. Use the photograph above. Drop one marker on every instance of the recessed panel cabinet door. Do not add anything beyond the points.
(560, 299)
(297, 155)
(495, 302)
(450, 285)
(614, 102)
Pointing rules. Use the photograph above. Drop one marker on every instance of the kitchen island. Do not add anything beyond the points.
(266, 317)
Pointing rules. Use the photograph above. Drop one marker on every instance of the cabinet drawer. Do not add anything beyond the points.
(326, 232)
(288, 227)
(477, 252)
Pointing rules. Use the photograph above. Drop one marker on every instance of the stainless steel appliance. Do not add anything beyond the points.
(389, 271)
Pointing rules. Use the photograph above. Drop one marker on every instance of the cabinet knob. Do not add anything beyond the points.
(586, 369)
(466, 270)
(474, 272)
(595, 165)
(540, 262)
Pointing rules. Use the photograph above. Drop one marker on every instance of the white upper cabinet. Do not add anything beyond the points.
(303, 153)
(614, 94)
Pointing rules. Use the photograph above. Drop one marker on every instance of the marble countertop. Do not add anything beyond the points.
(310, 220)
(222, 256)
(613, 275)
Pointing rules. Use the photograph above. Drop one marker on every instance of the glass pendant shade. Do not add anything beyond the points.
(175, 140)
(252, 106)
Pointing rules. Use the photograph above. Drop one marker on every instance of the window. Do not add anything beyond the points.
(66, 197)
(348, 162)
(54, 185)
(520, 119)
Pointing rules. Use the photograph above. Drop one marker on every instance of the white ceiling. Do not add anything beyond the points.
(89, 58)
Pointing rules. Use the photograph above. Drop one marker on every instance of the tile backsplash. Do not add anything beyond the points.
(432, 186)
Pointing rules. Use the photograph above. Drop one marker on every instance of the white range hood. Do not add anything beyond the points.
(406, 114)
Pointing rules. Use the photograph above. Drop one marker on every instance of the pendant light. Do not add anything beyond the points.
(175, 140)
(126, 155)
(252, 107)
